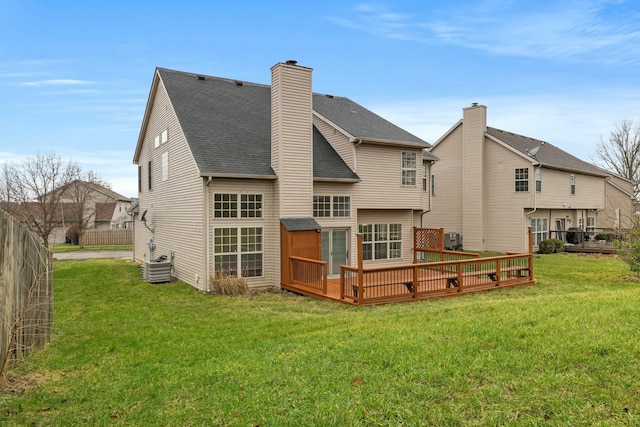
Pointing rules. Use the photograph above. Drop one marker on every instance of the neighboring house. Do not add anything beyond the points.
(227, 170)
(491, 185)
(105, 209)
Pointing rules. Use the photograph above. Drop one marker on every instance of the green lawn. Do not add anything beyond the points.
(125, 352)
(67, 247)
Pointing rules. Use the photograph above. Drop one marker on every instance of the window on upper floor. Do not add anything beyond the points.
(139, 179)
(538, 180)
(572, 183)
(433, 185)
(331, 206)
(522, 179)
(425, 178)
(165, 166)
(149, 174)
(225, 205)
(408, 168)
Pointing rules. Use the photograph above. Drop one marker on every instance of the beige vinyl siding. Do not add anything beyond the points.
(380, 169)
(338, 141)
(174, 207)
(269, 222)
(473, 165)
(619, 212)
(446, 203)
(292, 129)
(504, 206)
(556, 192)
(404, 217)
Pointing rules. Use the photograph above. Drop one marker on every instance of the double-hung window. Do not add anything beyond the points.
(408, 168)
(522, 179)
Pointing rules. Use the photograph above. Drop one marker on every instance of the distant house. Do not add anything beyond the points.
(490, 185)
(105, 209)
(229, 170)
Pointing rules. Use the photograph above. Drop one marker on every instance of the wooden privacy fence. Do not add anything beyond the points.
(26, 292)
(107, 237)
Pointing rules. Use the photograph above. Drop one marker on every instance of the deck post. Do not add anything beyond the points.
(360, 270)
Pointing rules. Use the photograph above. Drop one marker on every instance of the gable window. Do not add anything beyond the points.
(408, 168)
(331, 206)
(238, 257)
(539, 228)
(538, 180)
(165, 166)
(149, 174)
(522, 179)
(572, 182)
(225, 205)
(381, 241)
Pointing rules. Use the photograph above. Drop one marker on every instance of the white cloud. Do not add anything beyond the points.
(57, 82)
(597, 31)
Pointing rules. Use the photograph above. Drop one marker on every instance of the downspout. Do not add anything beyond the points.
(535, 191)
(207, 235)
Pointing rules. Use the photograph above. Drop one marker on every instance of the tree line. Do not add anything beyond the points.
(44, 191)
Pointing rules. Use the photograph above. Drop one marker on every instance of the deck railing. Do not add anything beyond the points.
(403, 282)
(308, 272)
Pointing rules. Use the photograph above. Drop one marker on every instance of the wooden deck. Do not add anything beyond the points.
(413, 282)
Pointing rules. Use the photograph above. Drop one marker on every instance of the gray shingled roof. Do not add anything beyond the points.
(360, 122)
(300, 224)
(228, 126)
(548, 154)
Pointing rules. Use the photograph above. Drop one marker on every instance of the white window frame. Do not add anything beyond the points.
(425, 178)
(572, 184)
(326, 206)
(522, 180)
(230, 206)
(165, 166)
(237, 244)
(540, 230)
(538, 173)
(381, 241)
(409, 167)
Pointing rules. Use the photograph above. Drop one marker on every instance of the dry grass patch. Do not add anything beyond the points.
(226, 284)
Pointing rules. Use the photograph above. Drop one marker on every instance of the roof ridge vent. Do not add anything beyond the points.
(200, 77)
(239, 83)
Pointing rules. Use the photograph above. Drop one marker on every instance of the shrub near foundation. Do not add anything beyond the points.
(551, 246)
(226, 284)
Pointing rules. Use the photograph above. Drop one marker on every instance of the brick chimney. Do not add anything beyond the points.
(292, 139)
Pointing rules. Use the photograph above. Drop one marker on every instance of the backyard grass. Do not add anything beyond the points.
(125, 352)
(68, 247)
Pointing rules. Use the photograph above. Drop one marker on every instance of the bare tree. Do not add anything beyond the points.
(620, 155)
(83, 194)
(34, 191)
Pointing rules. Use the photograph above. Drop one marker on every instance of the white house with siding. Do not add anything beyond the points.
(491, 185)
(225, 165)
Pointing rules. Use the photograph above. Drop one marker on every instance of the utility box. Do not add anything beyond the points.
(156, 271)
(452, 241)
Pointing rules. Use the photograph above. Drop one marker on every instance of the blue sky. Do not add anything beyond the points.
(75, 75)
